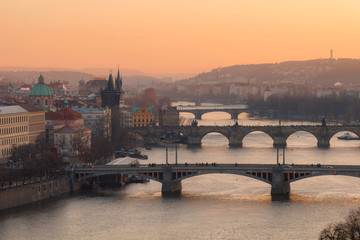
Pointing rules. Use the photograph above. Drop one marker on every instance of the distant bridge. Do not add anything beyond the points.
(170, 176)
(235, 134)
(198, 112)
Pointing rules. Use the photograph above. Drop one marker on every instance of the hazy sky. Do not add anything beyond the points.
(164, 36)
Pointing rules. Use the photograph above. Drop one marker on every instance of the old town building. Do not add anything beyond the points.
(60, 118)
(97, 119)
(41, 94)
(142, 116)
(19, 125)
(169, 116)
(71, 138)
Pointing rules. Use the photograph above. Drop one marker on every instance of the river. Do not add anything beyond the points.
(216, 206)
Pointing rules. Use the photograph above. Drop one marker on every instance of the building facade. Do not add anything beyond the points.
(142, 116)
(60, 118)
(97, 119)
(36, 122)
(126, 118)
(169, 116)
(14, 129)
(94, 85)
(70, 138)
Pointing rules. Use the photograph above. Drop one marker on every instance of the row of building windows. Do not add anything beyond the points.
(10, 120)
(11, 130)
(142, 120)
(16, 140)
(46, 101)
(140, 125)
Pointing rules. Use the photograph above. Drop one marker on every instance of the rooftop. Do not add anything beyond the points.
(12, 110)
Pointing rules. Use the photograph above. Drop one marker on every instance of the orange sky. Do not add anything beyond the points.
(187, 36)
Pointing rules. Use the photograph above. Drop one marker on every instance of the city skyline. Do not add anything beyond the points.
(161, 37)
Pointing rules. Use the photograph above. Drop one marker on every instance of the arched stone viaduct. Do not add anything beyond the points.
(170, 176)
(235, 134)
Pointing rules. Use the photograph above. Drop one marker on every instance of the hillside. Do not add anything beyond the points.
(315, 72)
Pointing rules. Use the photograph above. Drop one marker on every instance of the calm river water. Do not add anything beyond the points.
(211, 206)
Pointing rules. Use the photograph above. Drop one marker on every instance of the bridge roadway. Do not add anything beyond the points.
(170, 176)
(236, 133)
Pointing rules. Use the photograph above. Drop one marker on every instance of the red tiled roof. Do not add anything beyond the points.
(73, 128)
(65, 113)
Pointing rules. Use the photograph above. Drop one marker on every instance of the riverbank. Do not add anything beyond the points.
(37, 191)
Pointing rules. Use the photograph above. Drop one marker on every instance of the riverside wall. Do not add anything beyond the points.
(25, 194)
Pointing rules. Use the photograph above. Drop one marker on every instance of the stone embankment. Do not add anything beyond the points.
(28, 193)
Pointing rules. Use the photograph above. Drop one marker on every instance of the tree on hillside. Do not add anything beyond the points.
(348, 230)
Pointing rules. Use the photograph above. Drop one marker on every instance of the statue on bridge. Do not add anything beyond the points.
(323, 123)
(194, 123)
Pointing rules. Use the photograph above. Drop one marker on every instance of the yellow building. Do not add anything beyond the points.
(14, 129)
(36, 122)
(19, 125)
(142, 116)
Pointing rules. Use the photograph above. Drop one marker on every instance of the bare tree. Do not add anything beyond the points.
(82, 144)
(102, 148)
(348, 230)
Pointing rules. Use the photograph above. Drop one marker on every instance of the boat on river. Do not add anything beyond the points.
(348, 136)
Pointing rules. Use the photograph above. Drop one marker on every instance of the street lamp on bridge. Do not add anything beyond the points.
(277, 156)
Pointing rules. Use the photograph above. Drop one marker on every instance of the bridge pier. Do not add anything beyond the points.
(234, 116)
(279, 189)
(169, 187)
(194, 141)
(279, 142)
(235, 142)
(198, 115)
(72, 180)
(323, 143)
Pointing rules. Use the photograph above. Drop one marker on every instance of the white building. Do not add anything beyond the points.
(70, 138)
(126, 118)
(97, 119)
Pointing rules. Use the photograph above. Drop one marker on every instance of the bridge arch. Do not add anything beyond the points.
(232, 173)
(89, 176)
(217, 114)
(187, 115)
(267, 137)
(322, 174)
(310, 138)
(214, 131)
(336, 134)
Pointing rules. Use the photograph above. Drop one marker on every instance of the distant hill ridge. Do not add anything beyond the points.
(317, 71)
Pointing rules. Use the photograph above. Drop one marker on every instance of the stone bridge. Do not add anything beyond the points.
(170, 176)
(235, 134)
(198, 112)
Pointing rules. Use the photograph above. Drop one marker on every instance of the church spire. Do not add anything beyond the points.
(118, 81)
(110, 84)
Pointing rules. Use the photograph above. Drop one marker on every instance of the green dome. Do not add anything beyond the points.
(41, 89)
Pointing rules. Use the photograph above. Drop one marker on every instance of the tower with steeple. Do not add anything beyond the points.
(112, 95)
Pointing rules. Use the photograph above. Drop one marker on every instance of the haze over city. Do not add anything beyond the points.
(179, 119)
(165, 37)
